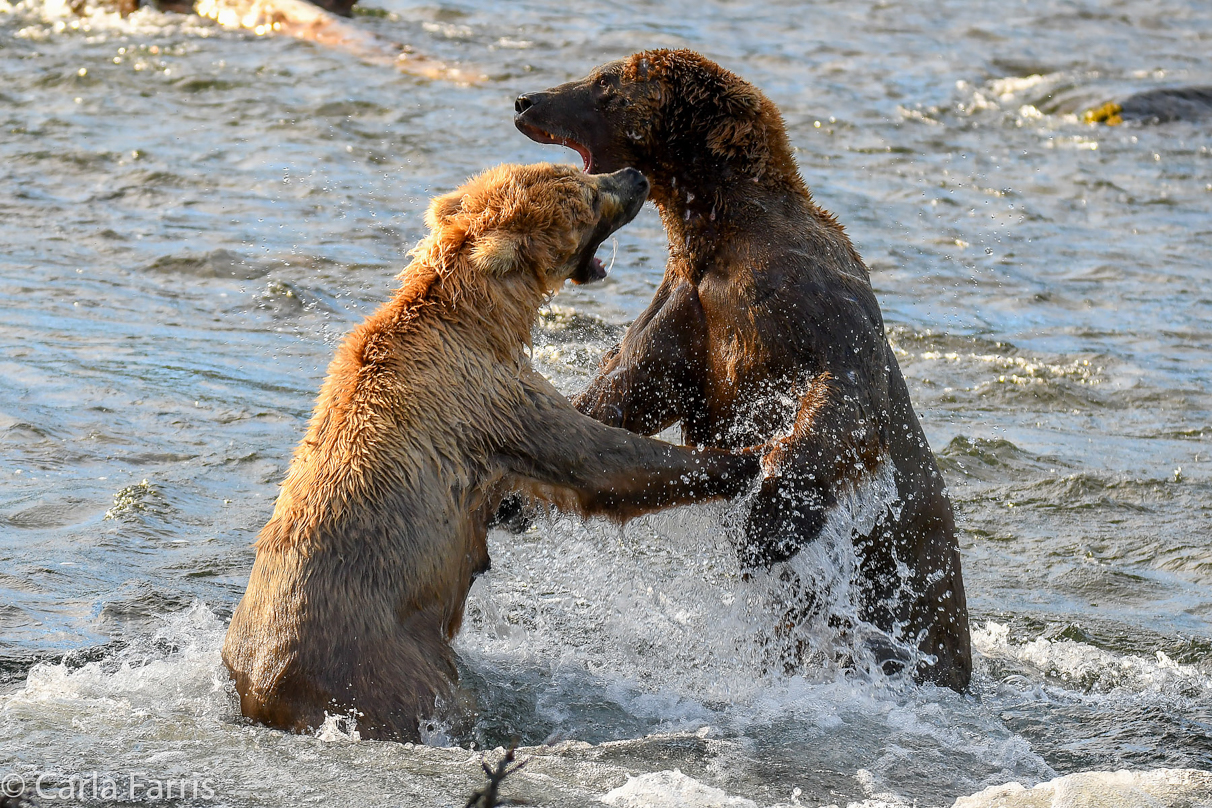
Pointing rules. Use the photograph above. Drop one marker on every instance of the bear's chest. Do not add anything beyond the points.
(744, 406)
(753, 365)
(747, 394)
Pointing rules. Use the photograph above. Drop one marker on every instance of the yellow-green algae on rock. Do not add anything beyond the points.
(1108, 113)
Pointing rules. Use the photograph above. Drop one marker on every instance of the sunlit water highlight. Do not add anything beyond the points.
(194, 216)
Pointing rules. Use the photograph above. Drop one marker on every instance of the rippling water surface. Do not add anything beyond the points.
(192, 217)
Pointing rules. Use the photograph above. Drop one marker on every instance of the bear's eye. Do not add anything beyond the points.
(604, 85)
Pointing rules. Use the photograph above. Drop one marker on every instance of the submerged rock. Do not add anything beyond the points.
(1155, 106)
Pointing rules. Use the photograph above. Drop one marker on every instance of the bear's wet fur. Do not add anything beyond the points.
(765, 325)
(430, 410)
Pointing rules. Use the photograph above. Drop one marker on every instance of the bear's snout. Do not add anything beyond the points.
(636, 179)
(630, 187)
(524, 102)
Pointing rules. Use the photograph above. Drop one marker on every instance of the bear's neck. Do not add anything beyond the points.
(499, 312)
(706, 199)
(713, 183)
(703, 206)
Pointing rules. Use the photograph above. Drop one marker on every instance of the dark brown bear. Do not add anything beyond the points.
(764, 301)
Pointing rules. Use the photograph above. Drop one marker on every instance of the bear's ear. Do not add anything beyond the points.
(741, 101)
(497, 253)
(736, 122)
(442, 208)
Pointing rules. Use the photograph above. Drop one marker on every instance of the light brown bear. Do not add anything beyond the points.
(431, 410)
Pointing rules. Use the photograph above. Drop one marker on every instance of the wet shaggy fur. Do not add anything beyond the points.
(764, 327)
(430, 409)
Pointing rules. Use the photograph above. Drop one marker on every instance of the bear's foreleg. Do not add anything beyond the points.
(835, 441)
(646, 383)
(577, 463)
(652, 379)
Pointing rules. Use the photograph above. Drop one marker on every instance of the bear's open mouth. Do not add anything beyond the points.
(589, 271)
(597, 269)
(543, 136)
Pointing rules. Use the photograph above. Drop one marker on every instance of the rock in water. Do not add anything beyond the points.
(1155, 106)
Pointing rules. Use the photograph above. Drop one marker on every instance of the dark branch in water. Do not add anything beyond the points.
(487, 797)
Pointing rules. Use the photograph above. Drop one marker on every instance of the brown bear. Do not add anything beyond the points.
(765, 327)
(430, 411)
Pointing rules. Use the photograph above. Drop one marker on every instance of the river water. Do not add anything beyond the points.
(192, 217)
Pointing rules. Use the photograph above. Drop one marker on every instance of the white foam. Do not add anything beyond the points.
(339, 729)
(671, 789)
(652, 618)
(171, 689)
(1007, 88)
(177, 668)
(1161, 788)
(1092, 670)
